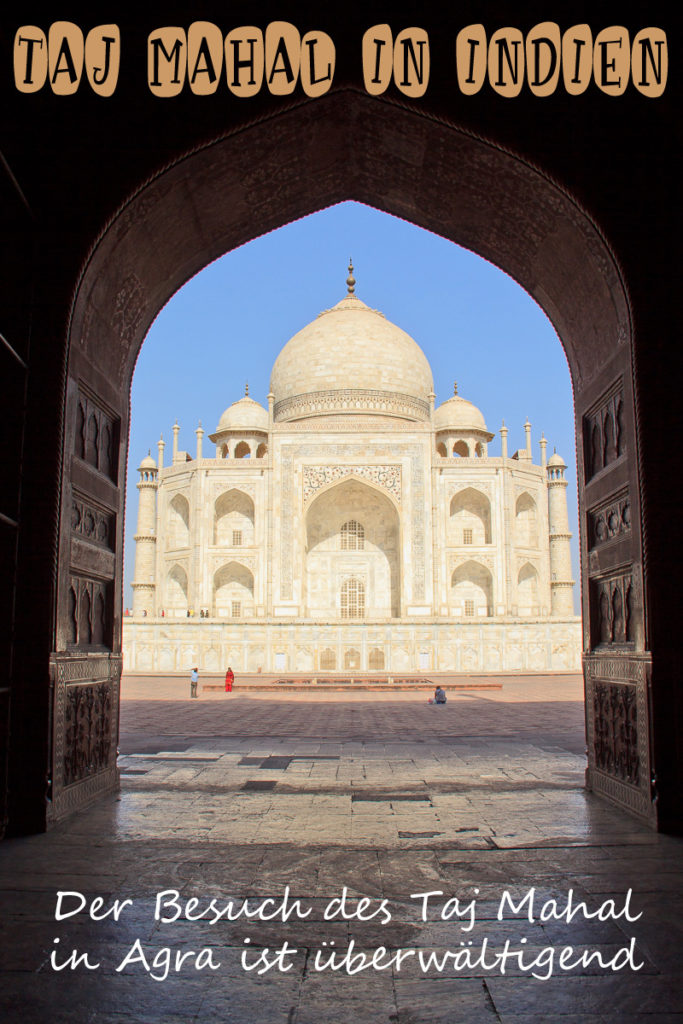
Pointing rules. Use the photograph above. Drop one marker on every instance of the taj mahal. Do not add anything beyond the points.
(352, 526)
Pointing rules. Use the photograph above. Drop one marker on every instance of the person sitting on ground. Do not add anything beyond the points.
(439, 696)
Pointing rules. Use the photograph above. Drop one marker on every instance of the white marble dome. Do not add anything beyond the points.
(459, 414)
(244, 415)
(351, 359)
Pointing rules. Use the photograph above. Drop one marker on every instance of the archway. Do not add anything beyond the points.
(468, 191)
(352, 554)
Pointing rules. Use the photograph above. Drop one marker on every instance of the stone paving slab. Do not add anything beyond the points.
(382, 800)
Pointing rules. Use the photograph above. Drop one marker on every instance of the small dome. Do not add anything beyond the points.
(148, 462)
(246, 415)
(459, 414)
(557, 460)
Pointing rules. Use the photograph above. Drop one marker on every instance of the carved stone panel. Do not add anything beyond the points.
(95, 524)
(616, 731)
(619, 764)
(609, 520)
(87, 721)
(89, 612)
(96, 439)
(612, 610)
(604, 437)
(86, 699)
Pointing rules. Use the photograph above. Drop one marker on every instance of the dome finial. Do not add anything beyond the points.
(246, 389)
(455, 388)
(350, 280)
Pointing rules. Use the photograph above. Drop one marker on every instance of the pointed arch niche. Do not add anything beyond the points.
(233, 519)
(330, 562)
(470, 518)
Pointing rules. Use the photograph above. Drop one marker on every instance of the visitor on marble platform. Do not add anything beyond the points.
(439, 696)
(229, 680)
(194, 679)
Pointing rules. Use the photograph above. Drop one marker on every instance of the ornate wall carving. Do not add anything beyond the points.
(618, 741)
(612, 607)
(604, 435)
(387, 477)
(94, 524)
(89, 612)
(87, 721)
(86, 689)
(96, 439)
(129, 311)
(616, 731)
(609, 520)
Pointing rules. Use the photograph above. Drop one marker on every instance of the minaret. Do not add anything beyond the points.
(561, 582)
(503, 441)
(200, 435)
(544, 445)
(527, 431)
(161, 444)
(176, 431)
(145, 540)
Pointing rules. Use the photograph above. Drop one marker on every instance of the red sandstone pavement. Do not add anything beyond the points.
(526, 707)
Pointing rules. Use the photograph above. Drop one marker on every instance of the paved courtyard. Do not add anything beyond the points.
(308, 827)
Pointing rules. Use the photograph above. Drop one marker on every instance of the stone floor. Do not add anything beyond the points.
(305, 827)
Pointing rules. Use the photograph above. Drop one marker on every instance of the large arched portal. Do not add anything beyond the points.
(352, 549)
(348, 145)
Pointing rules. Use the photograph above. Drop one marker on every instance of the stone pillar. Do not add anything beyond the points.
(544, 445)
(144, 588)
(161, 444)
(561, 582)
(504, 441)
(527, 431)
(200, 434)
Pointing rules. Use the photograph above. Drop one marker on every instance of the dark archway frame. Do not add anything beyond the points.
(307, 157)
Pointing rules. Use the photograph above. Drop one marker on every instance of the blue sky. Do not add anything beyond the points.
(227, 325)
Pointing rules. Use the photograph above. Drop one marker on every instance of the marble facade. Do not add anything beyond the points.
(352, 526)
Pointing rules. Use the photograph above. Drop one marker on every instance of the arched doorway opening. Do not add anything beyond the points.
(467, 191)
(352, 554)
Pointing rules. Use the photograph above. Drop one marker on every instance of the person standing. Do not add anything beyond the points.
(194, 679)
(229, 680)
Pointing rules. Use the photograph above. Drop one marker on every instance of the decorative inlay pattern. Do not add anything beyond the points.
(351, 400)
(388, 477)
(418, 526)
(286, 538)
(93, 523)
(455, 560)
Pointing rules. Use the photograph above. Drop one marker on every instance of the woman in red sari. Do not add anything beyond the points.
(229, 679)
